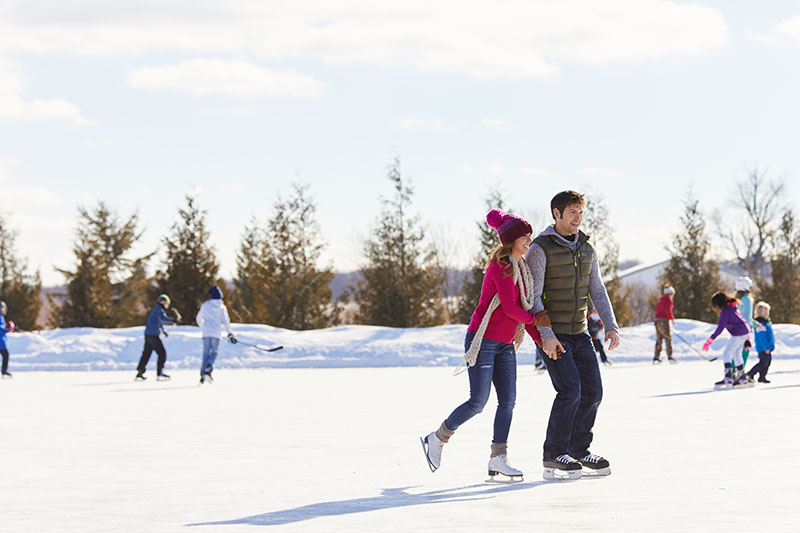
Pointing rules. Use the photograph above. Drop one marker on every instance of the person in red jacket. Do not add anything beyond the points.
(497, 328)
(664, 322)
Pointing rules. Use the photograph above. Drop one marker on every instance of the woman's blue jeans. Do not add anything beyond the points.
(496, 363)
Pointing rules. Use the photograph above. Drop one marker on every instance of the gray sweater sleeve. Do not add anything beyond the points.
(600, 297)
(537, 261)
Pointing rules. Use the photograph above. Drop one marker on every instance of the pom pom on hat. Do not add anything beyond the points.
(494, 218)
(509, 227)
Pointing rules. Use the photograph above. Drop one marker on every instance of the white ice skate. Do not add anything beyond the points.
(562, 468)
(595, 466)
(433, 450)
(502, 472)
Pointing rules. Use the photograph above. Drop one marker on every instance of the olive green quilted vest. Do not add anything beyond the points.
(566, 283)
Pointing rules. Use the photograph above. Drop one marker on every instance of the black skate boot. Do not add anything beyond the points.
(140, 377)
(563, 467)
(727, 381)
(594, 465)
(163, 377)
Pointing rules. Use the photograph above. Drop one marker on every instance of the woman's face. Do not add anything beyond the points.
(521, 245)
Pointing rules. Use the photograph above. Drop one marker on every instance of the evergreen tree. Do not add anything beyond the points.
(691, 270)
(190, 265)
(18, 289)
(253, 270)
(471, 288)
(602, 238)
(400, 284)
(278, 280)
(782, 293)
(107, 286)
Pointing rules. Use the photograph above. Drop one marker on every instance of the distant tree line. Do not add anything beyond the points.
(405, 276)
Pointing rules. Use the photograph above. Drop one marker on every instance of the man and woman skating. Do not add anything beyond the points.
(557, 276)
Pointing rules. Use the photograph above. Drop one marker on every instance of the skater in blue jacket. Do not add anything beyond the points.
(154, 327)
(5, 327)
(765, 342)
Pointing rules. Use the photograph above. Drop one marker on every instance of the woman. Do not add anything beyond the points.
(495, 331)
(732, 320)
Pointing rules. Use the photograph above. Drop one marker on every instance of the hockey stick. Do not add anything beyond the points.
(698, 352)
(257, 347)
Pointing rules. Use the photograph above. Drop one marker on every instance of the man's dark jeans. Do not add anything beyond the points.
(579, 389)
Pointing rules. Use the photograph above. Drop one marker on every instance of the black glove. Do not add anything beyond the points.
(232, 339)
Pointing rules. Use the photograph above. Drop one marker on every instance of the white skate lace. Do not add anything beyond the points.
(566, 459)
(592, 458)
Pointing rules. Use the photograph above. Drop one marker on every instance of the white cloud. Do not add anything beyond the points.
(418, 123)
(532, 171)
(789, 28)
(493, 123)
(760, 37)
(14, 107)
(19, 197)
(599, 172)
(14, 160)
(496, 170)
(217, 76)
(479, 38)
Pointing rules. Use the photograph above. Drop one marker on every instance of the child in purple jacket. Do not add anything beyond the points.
(734, 322)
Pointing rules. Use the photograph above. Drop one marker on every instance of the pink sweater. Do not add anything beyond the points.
(503, 322)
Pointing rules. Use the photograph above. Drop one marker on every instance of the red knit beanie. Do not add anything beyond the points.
(509, 227)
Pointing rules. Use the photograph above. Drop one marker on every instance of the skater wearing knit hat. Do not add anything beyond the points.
(495, 332)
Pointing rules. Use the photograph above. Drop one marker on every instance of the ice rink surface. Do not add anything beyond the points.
(338, 450)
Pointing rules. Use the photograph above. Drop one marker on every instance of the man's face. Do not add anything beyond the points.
(568, 222)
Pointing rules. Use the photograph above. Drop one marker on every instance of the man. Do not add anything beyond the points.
(153, 328)
(664, 320)
(565, 274)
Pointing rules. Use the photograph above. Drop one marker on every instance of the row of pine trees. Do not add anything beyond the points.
(404, 280)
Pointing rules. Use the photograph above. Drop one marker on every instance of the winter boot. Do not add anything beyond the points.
(498, 464)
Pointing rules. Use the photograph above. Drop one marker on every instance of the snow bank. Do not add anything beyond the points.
(344, 346)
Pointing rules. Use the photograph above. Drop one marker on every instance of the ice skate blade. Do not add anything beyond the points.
(726, 386)
(503, 479)
(743, 386)
(556, 474)
(600, 472)
(425, 450)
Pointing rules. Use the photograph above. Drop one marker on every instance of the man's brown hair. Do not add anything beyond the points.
(564, 199)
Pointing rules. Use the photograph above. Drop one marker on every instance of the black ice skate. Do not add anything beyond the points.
(656, 361)
(562, 467)
(7, 375)
(163, 377)
(726, 382)
(741, 381)
(595, 466)
(140, 377)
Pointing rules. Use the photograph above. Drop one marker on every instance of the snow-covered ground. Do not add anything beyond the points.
(344, 346)
(337, 449)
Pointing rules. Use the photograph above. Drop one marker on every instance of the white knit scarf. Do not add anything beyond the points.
(521, 271)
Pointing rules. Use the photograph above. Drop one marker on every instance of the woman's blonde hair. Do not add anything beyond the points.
(502, 254)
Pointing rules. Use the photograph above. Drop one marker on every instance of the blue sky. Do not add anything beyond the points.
(139, 103)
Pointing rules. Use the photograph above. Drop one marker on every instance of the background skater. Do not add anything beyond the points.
(155, 325)
(212, 319)
(665, 320)
(5, 327)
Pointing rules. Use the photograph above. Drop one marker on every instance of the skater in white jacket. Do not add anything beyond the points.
(212, 319)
